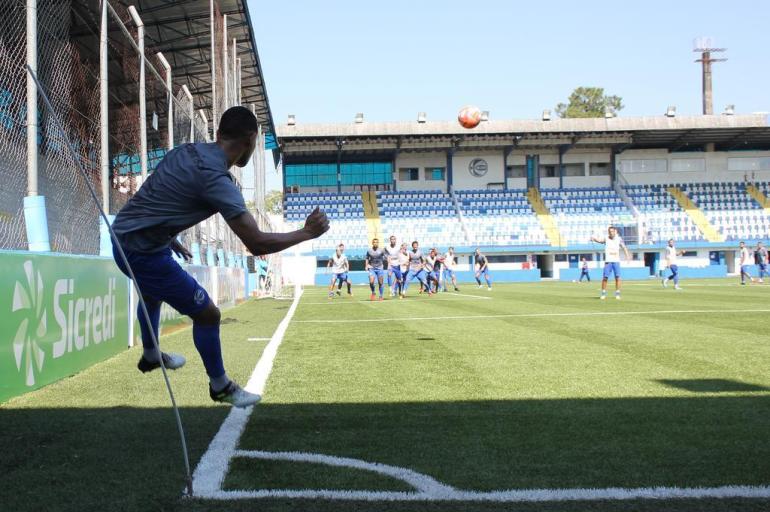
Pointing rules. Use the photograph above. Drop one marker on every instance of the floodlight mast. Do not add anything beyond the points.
(705, 46)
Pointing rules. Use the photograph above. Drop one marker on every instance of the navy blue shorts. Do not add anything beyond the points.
(161, 278)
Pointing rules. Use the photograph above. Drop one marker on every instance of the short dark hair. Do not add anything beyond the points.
(236, 123)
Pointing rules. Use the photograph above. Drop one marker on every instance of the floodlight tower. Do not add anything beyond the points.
(705, 46)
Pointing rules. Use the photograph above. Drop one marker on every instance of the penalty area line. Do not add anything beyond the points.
(536, 315)
(212, 468)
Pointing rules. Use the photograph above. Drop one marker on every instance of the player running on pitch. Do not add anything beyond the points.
(432, 267)
(584, 270)
(403, 265)
(760, 258)
(375, 264)
(340, 268)
(612, 245)
(416, 268)
(394, 269)
(483, 269)
(191, 184)
(745, 261)
(449, 268)
(671, 256)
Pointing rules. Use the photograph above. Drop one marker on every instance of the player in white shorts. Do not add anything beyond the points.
(449, 269)
(394, 270)
(403, 265)
(612, 245)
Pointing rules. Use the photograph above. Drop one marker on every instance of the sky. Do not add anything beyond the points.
(326, 61)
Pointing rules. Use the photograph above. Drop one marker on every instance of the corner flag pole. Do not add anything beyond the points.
(116, 244)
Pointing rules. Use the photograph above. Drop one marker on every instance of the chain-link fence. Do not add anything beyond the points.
(68, 66)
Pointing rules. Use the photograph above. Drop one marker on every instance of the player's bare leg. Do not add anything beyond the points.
(604, 288)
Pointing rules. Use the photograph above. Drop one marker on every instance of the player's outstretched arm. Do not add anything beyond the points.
(259, 242)
(597, 240)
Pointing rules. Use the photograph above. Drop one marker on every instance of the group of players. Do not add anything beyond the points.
(434, 271)
(399, 266)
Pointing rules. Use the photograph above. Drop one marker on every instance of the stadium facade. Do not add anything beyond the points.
(532, 193)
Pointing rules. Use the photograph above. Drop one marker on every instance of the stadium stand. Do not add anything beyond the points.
(500, 217)
(730, 209)
(661, 215)
(583, 212)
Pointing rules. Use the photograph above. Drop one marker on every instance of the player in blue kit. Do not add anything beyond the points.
(416, 268)
(483, 269)
(375, 264)
(671, 263)
(191, 184)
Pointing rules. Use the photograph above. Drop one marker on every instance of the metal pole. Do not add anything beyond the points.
(214, 111)
(191, 112)
(234, 76)
(169, 89)
(238, 85)
(104, 108)
(225, 74)
(31, 98)
(142, 94)
(708, 103)
(206, 124)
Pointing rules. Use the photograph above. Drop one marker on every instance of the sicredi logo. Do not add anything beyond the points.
(82, 321)
(28, 297)
(478, 167)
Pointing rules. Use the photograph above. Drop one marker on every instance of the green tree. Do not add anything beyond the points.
(589, 102)
(274, 202)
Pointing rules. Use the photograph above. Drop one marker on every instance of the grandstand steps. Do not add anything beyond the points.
(710, 233)
(372, 215)
(459, 212)
(759, 197)
(544, 216)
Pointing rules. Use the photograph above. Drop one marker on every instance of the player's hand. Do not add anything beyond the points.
(316, 223)
(181, 251)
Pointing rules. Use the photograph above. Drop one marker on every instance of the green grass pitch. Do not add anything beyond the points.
(529, 386)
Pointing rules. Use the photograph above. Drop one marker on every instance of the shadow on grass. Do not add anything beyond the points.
(129, 458)
(712, 385)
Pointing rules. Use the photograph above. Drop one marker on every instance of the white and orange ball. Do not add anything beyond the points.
(469, 116)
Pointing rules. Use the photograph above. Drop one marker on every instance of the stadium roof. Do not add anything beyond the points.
(182, 31)
(726, 132)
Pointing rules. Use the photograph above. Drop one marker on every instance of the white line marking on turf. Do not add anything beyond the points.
(212, 468)
(391, 300)
(257, 339)
(430, 489)
(535, 315)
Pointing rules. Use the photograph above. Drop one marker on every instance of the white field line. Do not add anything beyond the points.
(391, 300)
(536, 315)
(429, 489)
(257, 339)
(212, 468)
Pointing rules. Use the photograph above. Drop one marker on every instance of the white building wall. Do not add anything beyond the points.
(715, 164)
(462, 177)
(420, 161)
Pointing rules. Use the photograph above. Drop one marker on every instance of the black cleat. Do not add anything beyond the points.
(170, 361)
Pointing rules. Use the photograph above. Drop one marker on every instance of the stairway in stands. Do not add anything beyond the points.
(372, 216)
(543, 214)
(710, 233)
(759, 197)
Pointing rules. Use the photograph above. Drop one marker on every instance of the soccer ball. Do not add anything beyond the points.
(469, 116)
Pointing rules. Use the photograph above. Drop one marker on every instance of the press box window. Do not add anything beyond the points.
(516, 171)
(409, 174)
(435, 174)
